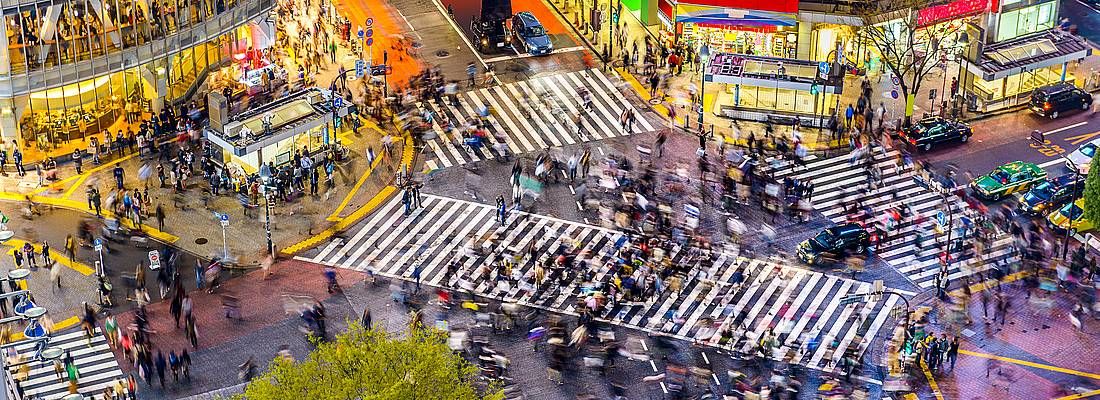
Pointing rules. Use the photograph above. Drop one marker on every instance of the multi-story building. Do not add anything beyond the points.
(70, 69)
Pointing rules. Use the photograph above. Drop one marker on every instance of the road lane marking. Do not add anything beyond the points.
(1055, 161)
(1080, 395)
(931, 380)
(1068, 127)
(1031, 364)
(526, 55)
(1077, 140)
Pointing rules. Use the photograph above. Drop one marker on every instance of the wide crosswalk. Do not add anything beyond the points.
(532, 115)
(95, 362)
(838, 184)
(744, 295)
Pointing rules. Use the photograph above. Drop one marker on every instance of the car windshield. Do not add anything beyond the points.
(1001, 176)
(1088, 150)
(825, 239)
(1043, 191)
(1072, 211)
(532, 31)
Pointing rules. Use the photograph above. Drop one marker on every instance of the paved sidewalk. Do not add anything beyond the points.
(1037, 353)
(190, 222)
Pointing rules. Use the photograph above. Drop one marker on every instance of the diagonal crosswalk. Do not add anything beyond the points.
(94, 360)
(837, 184)
(531, 115)
(742, 295)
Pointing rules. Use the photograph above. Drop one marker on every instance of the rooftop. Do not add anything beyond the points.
(1032, 51)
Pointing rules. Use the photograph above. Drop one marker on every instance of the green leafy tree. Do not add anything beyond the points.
(1092, 192)
(367, 364)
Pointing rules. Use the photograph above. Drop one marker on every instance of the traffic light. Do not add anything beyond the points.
(336, 121)
(814, 89)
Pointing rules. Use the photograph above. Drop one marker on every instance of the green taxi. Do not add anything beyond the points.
(1016, 176)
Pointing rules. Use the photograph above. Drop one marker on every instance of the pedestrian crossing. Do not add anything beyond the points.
(742, 295)
(94, 360)
(531, 115)
(838, 184)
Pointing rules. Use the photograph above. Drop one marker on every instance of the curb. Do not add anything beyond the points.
(407, 155)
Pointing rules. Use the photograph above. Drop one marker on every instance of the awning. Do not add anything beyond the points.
(1028, 53)
(719, 16)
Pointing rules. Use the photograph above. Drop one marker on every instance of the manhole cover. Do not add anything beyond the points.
(654, 101)
(201, 241)
(417, 45)
(442, 53)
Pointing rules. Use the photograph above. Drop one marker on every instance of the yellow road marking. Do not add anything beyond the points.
(660, 108)
(407, 155)
(1031, 364)
(17, 244)
(84, 176)
(57, 326)
(335, 216)
(931, 381)
(990, 283)
(382, 195)
(1076, 140)
(1080, 395)
(83, 208)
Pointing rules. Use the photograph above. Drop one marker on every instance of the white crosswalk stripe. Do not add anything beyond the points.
(546, 120)
(95, 363)
(839, 184)
(746, 296)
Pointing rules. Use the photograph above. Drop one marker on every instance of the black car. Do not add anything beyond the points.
(1052, 100)
(1051, 194)
(932, 131)
(835, 242)
(489, 35)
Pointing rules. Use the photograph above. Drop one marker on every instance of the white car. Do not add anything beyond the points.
(1082, 157)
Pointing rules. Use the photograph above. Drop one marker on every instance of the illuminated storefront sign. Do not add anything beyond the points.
(750, 14)
(952, 10)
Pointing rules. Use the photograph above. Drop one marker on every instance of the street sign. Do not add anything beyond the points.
(98, 244)
(370, 42)
(932, 94)
(370, 32)
(941, 218)
(225, 220)
(337, 101)
(370, 21)
(823, 68)
(154, 260)
(360, 33)
(360, 68)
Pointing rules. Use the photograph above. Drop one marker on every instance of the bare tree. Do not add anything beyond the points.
(908, 49)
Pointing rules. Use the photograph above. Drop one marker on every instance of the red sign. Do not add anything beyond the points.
(667, 9)
(783, 6)
(952, 10)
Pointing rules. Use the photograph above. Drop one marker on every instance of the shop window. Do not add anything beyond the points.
(784, 99)
(767, 98)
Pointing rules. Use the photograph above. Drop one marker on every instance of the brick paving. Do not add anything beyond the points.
(1035, 331)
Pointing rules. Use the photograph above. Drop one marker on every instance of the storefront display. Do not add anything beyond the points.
(774, 89)
(1022, 21)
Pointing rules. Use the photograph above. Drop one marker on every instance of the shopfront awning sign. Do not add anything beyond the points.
(955, 9)
(718, 16)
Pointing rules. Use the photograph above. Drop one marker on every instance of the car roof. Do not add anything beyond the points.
(1063, 180)
(1018, 166)
(1055, 88)
(846, 228)
(528, 18)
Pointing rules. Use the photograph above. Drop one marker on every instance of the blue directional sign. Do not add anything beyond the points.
(360, 68)
(941, 218)
(823, 67)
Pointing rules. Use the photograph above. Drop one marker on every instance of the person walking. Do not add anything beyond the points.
(46, 261)
(160, 216)
(17, 158)
(70, 247)
(502, 210)
(28, 253)
(119, 174)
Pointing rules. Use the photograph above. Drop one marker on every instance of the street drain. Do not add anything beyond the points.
(442, 53)
(201, 241)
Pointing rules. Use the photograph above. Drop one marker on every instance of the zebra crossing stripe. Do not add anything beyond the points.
(439, 233)
(95, 364)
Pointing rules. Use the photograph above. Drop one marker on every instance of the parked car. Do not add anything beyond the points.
(528, 32)
(1051, 194)
(1053, 100)
(835, 242)
(489, 35)
(933, 131)
(1071, 216)
(1082, 157)
(1016, 176)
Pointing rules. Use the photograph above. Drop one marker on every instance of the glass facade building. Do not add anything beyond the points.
(70, 69)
